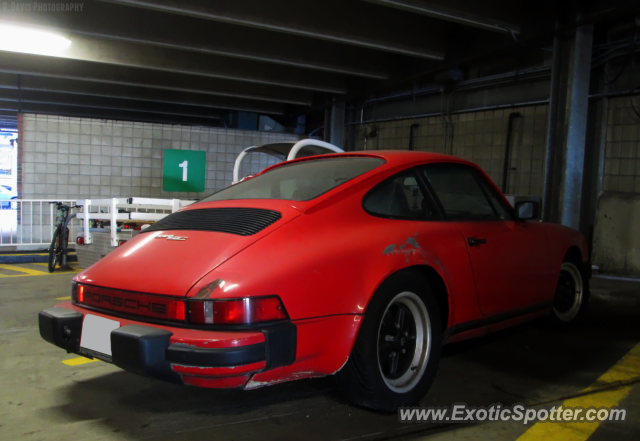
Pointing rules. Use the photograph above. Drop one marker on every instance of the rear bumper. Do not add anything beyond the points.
(201, 358)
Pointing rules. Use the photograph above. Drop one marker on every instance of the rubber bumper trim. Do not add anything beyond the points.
(216, 357)
(146, 350)
(282, 342)
(141, 350)
(61, 327)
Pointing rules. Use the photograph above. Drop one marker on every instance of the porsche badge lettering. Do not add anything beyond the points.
(171, 237)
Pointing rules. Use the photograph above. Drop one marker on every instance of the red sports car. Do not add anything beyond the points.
(357, 265)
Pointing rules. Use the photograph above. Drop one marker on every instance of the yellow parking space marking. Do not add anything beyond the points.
(63, 298)
(46, 265)
(31, 275)
(25, 271)
(78, 361)
(20, 269)
(608, 391)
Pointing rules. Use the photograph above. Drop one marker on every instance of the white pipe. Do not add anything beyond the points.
(236, 166)
(305, 142)
(292, 153)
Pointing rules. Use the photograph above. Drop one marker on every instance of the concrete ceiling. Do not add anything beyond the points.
(192, 61)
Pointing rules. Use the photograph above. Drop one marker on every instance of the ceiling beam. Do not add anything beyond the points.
(120, 53)
(52, 67)
(23, 97)
(121, 115)
(144, 26)
(43, 84)
(340, 21)
(483, 15)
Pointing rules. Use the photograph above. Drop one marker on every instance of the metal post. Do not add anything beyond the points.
(86, 221)
(602, 145)
(337, 121)
(551, 128)
(507, 151)
(576, 128)
(327, 123)
(114, 223)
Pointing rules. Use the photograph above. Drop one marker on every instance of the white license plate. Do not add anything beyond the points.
(96, 333)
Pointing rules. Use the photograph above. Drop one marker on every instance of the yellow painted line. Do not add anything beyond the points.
(46, 265)
(78, 361)
(623, 372)
(63, 298)
(57, 273)
(20, 269)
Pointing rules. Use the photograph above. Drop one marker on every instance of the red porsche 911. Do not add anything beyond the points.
(356, 265)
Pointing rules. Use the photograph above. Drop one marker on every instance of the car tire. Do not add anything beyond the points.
(54, 250)
(572, 293)
(401, 326)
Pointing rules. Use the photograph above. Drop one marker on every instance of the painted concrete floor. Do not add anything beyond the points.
(42, 398)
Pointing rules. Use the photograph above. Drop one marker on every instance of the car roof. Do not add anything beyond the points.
(393, 158)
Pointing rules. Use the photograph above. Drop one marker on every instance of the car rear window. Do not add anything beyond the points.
(300, 181)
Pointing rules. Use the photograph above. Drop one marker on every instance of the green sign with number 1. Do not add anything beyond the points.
(184, 170)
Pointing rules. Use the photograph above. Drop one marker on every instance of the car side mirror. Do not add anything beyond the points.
(527, 210)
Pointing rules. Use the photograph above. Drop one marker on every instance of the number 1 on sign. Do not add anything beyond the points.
(184, 166)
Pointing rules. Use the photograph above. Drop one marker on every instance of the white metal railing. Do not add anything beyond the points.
(30, 222)
(123, 209)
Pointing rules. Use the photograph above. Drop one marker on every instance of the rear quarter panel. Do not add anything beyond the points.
(332, 259)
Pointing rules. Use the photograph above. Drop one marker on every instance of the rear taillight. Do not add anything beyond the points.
(161, 307)
(236, 311)
(80, 240)
(242, 311)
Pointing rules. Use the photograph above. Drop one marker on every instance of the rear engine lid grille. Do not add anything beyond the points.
(240, 221)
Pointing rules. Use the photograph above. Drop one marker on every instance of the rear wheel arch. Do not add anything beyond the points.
(369, 377)
(437, 285)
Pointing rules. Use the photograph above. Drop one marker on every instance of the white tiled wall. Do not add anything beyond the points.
(68, 158)
(622, 162)
(479, 137)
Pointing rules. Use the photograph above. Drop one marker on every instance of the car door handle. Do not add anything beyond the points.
(473, 242)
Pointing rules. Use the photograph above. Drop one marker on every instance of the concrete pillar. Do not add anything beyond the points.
(567, 128)
(337, 121)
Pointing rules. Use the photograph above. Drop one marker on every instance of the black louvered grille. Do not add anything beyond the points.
(241, 221)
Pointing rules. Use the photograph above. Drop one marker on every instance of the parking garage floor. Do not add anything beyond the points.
(46, 394)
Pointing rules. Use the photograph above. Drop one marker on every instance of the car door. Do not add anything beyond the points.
(507, 256)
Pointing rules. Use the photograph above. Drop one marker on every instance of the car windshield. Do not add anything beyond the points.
(300, 181)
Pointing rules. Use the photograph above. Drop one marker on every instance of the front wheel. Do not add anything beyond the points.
(395, 357)
(54, 250)
(572, 294)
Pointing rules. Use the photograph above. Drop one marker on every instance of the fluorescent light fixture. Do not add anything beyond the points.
(31, 41)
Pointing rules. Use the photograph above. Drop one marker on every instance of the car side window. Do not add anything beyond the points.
(504, 211)
(461, 193)
(399, 197)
